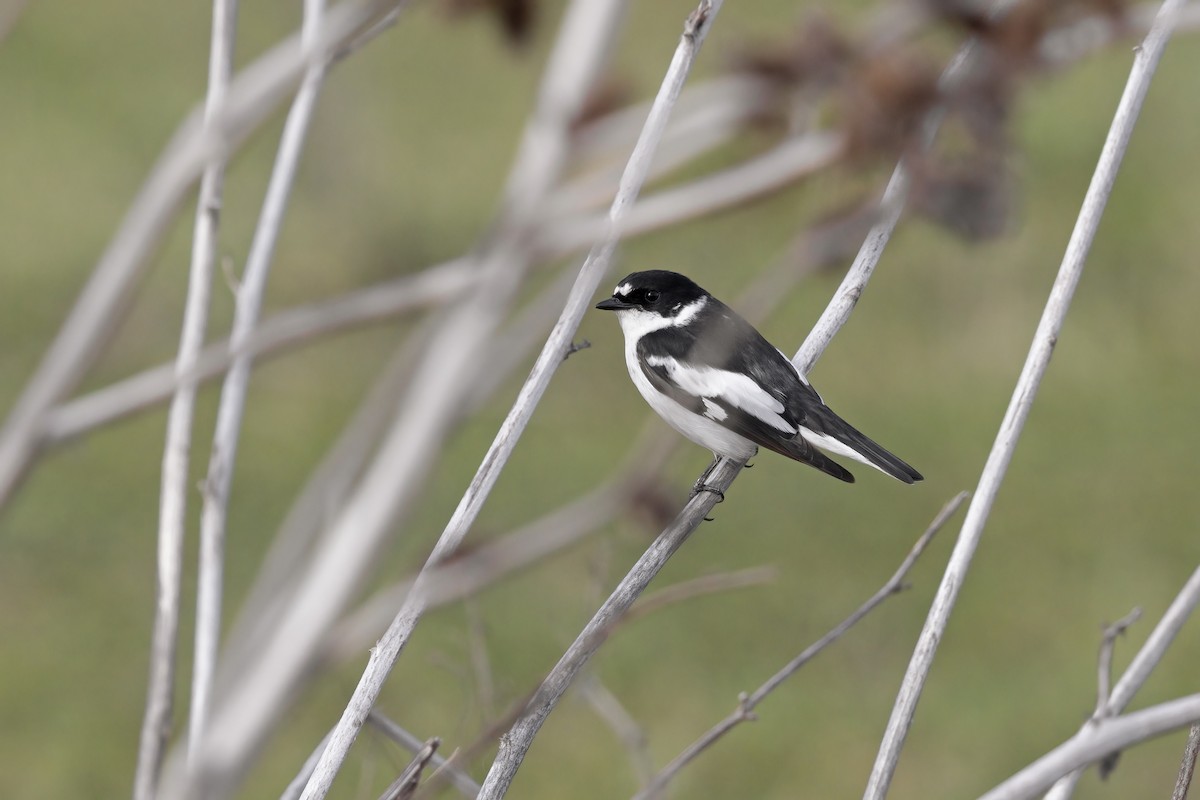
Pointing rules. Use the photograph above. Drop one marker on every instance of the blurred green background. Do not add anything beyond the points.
(411, 143)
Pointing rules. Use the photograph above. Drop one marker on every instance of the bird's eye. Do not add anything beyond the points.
(651, 296)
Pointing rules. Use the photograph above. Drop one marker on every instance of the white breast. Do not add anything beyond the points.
(700, 429)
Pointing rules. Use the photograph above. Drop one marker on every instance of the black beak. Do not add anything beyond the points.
(613, 304)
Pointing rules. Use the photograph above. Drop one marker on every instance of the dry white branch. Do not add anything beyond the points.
(748, 702)
(1094, 742)
(405, 785)
(587, 31)
(1038, 359)
(756, 177)
(285, 329)
(461, 780)
(707, 115)
(1139, 669)
(252, 98)
(210, 583)
(1187, 766)
(315, 507)
(172, 515)
(711, 114)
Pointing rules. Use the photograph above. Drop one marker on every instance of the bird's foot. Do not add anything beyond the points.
(704, 487)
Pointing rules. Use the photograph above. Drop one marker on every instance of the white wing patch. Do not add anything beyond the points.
(731, 388)
(714, 411)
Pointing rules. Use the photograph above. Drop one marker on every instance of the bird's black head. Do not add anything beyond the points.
(656, 291)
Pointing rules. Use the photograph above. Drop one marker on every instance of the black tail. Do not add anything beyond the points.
(831, 424)
(805, 453)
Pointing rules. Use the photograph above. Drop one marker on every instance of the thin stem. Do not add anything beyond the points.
(1036, 363)
(392, 484)
(1139, 669)
(160, 685)
(210, 583)
(1188, 765)
(747, 703)
(277, 333)
(1104, 660)
(462, 781)
(1094, 742)
(252, 98)
(580, 49)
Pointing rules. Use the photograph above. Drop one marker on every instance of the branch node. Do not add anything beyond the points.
(696, 20)
(575, 347)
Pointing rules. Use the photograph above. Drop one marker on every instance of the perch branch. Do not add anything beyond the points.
(465, 575)
(747, 703)
(1022, 399)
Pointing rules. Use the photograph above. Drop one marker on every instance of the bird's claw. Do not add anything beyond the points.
(704, 487)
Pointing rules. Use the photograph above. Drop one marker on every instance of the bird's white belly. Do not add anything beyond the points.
(700, 429)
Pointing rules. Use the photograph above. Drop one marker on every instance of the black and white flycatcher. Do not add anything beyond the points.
(716, 380)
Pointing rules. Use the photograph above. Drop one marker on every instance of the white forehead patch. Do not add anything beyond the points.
(623, 289)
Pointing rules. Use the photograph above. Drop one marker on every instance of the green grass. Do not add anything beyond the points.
(408, 153)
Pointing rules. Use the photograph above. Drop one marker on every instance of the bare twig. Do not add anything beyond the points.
(1188, 765)
(1022, 399)
(580, 50)
(405, 786)
(160, 684)
(1140, 667)
(517, 742)
(631, 735)
(1104, 660)
(757, 177)
(747, 702)
(698, 587)
(326, 490)
(461, 780)
(1094, 742)
(275, 334)
(210, 585)
(718, 110)
(252, 98)
(296, 786)
(481, 664)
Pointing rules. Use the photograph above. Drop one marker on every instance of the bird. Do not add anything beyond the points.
(714, 378)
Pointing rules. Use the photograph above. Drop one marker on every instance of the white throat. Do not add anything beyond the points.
(636, 323)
